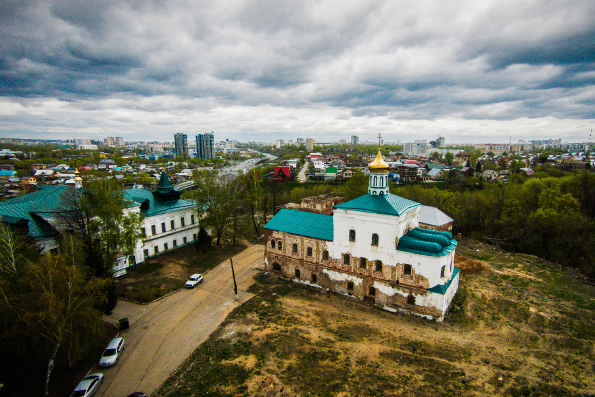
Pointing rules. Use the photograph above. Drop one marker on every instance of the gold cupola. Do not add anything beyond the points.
(378, 165)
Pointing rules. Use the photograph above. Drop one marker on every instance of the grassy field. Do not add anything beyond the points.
(518, 326)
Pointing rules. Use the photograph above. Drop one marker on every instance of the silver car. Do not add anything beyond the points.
(88, 386)
(193, 280)
(112, 352)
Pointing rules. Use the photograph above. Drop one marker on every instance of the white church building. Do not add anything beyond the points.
(371, 248)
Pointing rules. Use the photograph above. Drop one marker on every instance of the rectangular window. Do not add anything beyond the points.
(294, 249)
(362, 263)
(173, 224)
(144, 232)
(165, 247)
(309, 251)
(175, 243)
(156, 250)
(407, 270)
(442, 272)
(346, 260)
(352, 235)
(325, 255)
(146, 252)
(185, 240)
(182, 222)
(378, 266)
(194, 236)
(163, 227)
(192, 220)
(153, 230)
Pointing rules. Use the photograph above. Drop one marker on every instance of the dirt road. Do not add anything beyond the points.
(164, 333)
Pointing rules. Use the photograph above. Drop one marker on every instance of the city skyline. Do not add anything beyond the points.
(256, 70)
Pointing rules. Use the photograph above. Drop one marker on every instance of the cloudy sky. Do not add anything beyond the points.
(471, 71)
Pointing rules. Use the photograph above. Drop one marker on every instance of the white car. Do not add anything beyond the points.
(193, 281)
(112, 352)
(88, 386)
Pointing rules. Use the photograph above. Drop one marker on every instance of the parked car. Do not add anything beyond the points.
(88, 386)
(193, 281)
(111, 354)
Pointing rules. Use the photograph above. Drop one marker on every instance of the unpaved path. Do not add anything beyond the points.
(163, 334)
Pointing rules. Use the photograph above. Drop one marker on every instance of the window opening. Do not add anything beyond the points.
(309, 251)
(314, 278)
(411, 300)
(297, 273)
(325, 255)
(279, 244)
(352, 235)
(375, 239)
(346, 259)
(372, 291)
(407, 270)
(378, 266)
(294, 248)
(362, 263)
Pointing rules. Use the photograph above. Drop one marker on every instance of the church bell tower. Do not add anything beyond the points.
(378, 175)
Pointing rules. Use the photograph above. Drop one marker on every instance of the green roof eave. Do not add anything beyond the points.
(302, 223)
(443, 288)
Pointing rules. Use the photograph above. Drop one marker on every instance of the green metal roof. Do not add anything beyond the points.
(303, 224)
(389, 204)
(442, 288)
(155, 205)
(432, 166)
(36, 208)
(427, 242)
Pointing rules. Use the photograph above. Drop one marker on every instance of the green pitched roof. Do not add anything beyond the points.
(35, 209)
(303, 224)
(389, 204)
(164, 185)
(151, 204)
(442, 288)
(432, 166)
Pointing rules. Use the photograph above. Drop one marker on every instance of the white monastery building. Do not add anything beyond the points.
(371, 248)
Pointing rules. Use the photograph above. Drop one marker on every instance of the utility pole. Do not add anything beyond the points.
(235, 285)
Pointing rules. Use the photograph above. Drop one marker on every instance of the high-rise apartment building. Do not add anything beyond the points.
(181, 144)
(417, 148)
(354, 139)
(309, 144)
(204, 145)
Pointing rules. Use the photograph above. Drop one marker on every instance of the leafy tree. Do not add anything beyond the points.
(449, 158)
(203, 240)
(253, 195)
(356, 186)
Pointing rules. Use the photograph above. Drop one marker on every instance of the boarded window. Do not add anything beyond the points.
(309, 251)
(375, 239)
(325, 255)
(297, 273)
(362, 263)
(279, 245)
(314, 278)
(294, 248)
(346, 259)
(411, 300)
(407, 270)
(378, 266)
(350, 286)
(352, 235)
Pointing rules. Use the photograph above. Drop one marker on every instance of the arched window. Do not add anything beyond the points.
(407, 270)
(362, 263)
(314, 278)
(276, 267)
(372, 291)
(297, 273)
(350, 286)
(325, 255)
(279, 244)
(411, 300)
(375, 239)
(294, 248)
(346, 259)
(309, 251)
(378, 266)
(352, 235)
(272, 243)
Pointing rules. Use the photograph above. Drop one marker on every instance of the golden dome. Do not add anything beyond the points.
(378, 165)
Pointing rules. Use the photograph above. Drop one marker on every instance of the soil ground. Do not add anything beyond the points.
(518, 326)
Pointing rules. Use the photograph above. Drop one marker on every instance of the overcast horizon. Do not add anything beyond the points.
(264, 70)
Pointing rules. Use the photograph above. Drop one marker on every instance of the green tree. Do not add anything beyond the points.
(356, 186)
(449, 158)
